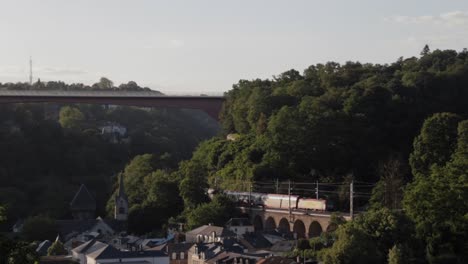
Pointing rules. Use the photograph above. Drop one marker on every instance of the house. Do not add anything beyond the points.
(96, 252)
(276, 260)
(113, 128)
(208, 234)
(74, 232)
(57, 260)
(178, 252)
(114, 132)
(43, 247)
(240, 226)
(109, 254)
(281, 247)
(79, 253)
(217, 253)
(18, 226)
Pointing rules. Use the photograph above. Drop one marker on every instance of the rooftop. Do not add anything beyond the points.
(83, 200)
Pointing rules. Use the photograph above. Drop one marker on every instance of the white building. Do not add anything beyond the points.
(95, 252)
(240, 226)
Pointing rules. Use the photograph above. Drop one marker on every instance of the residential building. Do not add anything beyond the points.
(240, 226)
(178, 252)
(109, 254)
(208, 234)
(276, 260)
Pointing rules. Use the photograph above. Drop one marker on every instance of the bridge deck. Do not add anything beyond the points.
(75, 93)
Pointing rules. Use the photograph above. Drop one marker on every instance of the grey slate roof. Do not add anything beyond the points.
(238, 222)
(83, 200)
(207, 230)
(77, 226)
(43, 247)
(88, 247)
(109, 252)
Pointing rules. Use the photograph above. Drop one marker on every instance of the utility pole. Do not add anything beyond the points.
(277, 185)
(250, 195)
(316, 190)
(351, 198)
(289, 194)
(30, 71)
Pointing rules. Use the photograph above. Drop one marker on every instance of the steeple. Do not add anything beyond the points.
(121, 202)
(121, 192)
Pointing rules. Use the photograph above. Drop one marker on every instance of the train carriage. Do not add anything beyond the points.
(312, 204)
(280, 201)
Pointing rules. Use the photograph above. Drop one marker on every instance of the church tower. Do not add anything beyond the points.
(121, 202)
(83, 205)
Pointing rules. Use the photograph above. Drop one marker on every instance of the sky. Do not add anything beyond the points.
(206, 46)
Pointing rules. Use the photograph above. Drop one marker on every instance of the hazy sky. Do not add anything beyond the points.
(200, 46)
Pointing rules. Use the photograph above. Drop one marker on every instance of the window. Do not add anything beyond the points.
(121, 210)
(174, 255)
(182, 255)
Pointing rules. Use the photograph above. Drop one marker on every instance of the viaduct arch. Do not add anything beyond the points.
(300, 225)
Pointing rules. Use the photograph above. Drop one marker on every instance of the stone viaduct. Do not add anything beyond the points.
(300, 223)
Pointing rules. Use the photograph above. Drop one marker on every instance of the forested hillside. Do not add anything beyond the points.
(402, 126)
(332, 120)
(48, 150)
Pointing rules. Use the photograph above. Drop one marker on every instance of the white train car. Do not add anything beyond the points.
(312, 204)
(280, 201)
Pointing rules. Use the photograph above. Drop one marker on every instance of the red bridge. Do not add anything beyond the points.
(209, 104)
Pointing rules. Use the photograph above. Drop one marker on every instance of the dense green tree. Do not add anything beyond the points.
(71, 117)
(216, 212)
(22, 253)
(2, 214)
(105, 83)
(437, 200)
(396, 255)
(353, 245)
(193, 184)
(435, 143)
(39, 228)
(56, 249)
(389, 189)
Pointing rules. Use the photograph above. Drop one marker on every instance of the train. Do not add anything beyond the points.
(277, 201)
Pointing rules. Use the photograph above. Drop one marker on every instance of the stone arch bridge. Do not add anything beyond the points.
(301, 224)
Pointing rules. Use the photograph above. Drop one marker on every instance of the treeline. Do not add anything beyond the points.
(104, 84)
(333, 120)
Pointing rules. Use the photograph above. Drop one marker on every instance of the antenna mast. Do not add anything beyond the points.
(30, 71)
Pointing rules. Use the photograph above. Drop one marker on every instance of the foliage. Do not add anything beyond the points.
(389, 189)
(353, 245)
(43, 164)
(435, 143)
(396, 255)
(437, 198)
(56, 249)
(2, 214)
(152, 194)
(216, 212)
(39, 228)
(71, 117)
(367, 239)
(22, 253)
(193, 184)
